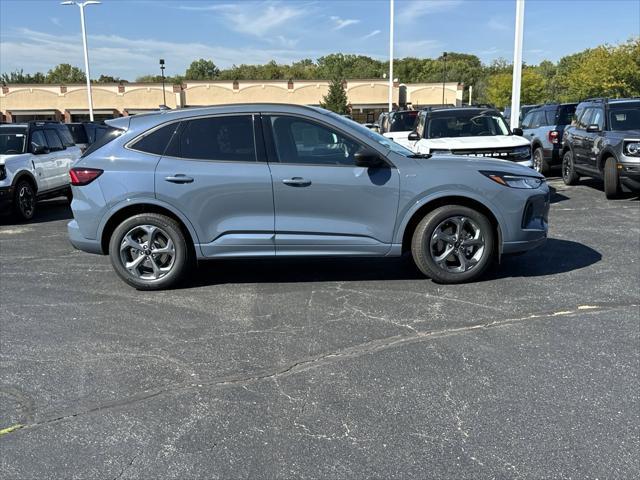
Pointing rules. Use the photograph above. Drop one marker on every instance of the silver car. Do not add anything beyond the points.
(160, 191)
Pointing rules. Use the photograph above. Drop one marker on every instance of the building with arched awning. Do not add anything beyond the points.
(367, 98)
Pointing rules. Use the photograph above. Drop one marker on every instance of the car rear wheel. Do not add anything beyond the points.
(569, 175)
(24, 200)
(539, 162)
(149, 252)
(453, 244)
(611, 179)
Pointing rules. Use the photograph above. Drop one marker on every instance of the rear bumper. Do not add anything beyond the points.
(552, 155)
(6, 199)
(80, 242)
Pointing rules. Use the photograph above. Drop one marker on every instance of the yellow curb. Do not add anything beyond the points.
(13, 428)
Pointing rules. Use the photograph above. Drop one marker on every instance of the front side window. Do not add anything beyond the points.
(38, 140)
(465, 124)
(301, 141)
(585, 119)
(53, 140)
(12, 140)
(597, 118)
(224, 138)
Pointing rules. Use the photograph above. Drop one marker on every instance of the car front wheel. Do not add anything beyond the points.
(611, 179)
(24, 200)
(539, 162)
(453, 244)
(149, 252)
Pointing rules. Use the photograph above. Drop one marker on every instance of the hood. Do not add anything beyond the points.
(630, 134)
(20, 156)
(397, 135)
(480, 163)
(454, 143)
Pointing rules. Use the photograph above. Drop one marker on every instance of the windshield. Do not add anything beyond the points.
(625, 117)
(13, 141)
(376, 137)
(466, 124)
(403, 121)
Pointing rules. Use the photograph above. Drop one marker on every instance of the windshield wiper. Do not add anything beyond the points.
(420, 155)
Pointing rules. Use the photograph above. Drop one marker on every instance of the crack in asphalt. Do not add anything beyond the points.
(303, 365)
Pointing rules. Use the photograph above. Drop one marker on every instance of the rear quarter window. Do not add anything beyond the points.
(156, 141)
(111, 134)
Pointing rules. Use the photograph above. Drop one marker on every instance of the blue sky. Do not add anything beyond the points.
(126, 38)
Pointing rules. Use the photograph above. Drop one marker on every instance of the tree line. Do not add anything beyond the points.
(607, 70)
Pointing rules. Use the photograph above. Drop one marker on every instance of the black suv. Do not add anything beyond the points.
(397, 121)
(604, 142)
(86, 133)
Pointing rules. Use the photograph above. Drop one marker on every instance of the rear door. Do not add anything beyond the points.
(324, 203)
(579, 136)
(58, 167)
(214, 174)
(43, 162)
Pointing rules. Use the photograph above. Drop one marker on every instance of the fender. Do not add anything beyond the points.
(606, 152)
(423, 200)
(146, 201)
(25, 173)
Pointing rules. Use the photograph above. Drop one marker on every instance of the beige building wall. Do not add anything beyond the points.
(123, 99)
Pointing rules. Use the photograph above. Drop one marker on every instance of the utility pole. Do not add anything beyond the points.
(164, 95)
(390, 55)
(517, 65)
(444, 74)
(470, 93)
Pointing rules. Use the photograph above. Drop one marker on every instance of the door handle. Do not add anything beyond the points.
(179, 178)
(297, 182)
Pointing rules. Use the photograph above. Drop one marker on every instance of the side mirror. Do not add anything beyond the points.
(593, 128)
(368, 158)
(517, 131)
(39, 149)
(413, 136)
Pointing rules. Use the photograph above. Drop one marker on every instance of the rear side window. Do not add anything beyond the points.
(225, 138)
(156, 142)
(110, 135)
(53, 140)
(78, 133)
(65, 136)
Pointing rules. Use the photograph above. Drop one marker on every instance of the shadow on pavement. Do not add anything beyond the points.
(556, 256)
(46, 211)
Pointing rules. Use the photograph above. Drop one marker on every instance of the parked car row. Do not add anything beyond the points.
(35, 159)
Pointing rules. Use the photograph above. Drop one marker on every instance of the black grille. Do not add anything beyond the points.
(506, 153)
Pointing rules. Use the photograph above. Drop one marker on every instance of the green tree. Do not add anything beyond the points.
(498, 90)
(202, 70)
(65, 73)
(110, 79)
(18, 76)
(336, 98)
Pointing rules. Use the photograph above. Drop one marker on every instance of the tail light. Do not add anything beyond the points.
(83, 176)
(554, 136)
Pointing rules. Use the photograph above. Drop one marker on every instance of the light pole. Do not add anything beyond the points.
(517, 65)
(444, 74)
(390, 55)
(81, 5)
(164, 98)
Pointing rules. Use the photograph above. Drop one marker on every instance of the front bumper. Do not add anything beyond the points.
(630, 175)
(526, 163)
(533, 223)
(80, 242)
(6, 199)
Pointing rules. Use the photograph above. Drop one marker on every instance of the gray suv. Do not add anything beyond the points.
(160, 191)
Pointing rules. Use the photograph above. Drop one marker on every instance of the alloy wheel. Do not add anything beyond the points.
(537, 160)
(26, 201)
(147, 252)
(457, 244)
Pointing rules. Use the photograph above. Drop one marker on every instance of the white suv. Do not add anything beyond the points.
(35, 159)
(472, 131)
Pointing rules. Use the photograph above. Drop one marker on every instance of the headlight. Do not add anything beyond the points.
(522, 152)
(514, 181)
(632, 149)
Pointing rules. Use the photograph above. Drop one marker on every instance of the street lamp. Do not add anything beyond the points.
(391, 8)
(81, 5)
(164, 98)
(444, 74)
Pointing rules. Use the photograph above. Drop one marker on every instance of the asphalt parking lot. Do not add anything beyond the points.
(326, 369)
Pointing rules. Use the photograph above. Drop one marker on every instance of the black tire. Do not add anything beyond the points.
(540, 163)
(569, 175)
(145, 277)
(422, 248)
(69, 195)
(611, 179)
(24, 200)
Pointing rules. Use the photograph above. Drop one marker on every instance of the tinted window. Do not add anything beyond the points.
(565, 115)
(53, 140)
(626, 117)
(38, 140)
(12, 140)
(403, 121)
(302, 141)
(465, 124)
(528, 121)
(585, 119)
(65, 136)
(78, 133)
(110, 135)
(597, 118)
(228, 138)
(156, 142)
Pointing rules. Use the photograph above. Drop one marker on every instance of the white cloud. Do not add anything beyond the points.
(341, 23)
(419, 49)
(127, 57)
(415, 9)
(371, 34)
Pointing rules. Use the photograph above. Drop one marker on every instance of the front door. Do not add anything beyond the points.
(213, 174)
(42, 163)
(324, 203)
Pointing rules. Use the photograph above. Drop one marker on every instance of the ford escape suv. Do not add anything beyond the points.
(162, 190)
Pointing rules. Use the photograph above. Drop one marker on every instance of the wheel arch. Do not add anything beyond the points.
(430, 205)
(25, 175)
(604, 155)
(121, 214)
